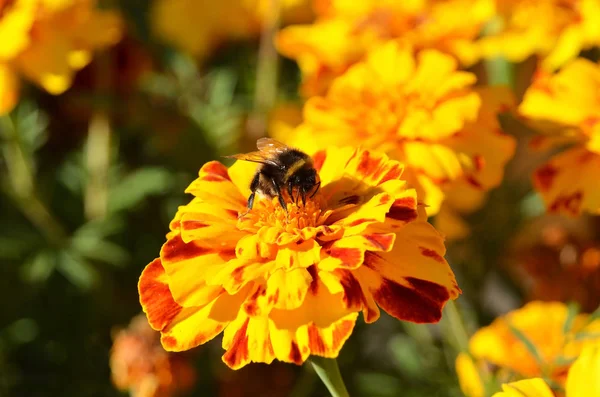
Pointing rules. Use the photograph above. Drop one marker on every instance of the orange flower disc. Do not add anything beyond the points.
(285, 287)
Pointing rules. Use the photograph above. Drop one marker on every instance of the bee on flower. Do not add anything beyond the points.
(48, 41)
(286, 281)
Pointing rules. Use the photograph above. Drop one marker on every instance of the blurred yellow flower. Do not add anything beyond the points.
(421, 111)
(543, 324)
(47, 41)
(583, 379)
(285, 288)
(565, 107)
(555, 30)
(199, 26)
(468, 376)
(346, 30)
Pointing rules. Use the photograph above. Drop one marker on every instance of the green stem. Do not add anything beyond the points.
(456, 326)
(329, 372)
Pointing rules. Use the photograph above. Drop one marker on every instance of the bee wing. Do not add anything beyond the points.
(255, 157)
(271, 146)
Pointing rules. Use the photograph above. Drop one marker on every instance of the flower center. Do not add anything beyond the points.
(268, 212)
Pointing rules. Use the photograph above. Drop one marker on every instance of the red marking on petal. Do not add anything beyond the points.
(353, 295)
(191, 225)
(403, 209)
(432, 254)
(251, 305)
(175, 250)
(232, 213)
(473, 182)
(215, 171)
(168, 342)
(395, 172)
(570, 203)
(587, 157)
(156, 297)
(544, 177)
(295, 355)
(314, 284)
(380, 241)
(420, 304)
(273, 299)
(315, 341)
(479, 162)
(237, 354)
(361, 220)
(319, 159)
(228, 254)
(341, 332)
(238, 273)
(350, 257)
(367, 165)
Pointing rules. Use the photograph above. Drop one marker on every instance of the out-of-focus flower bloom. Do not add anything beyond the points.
(555, 30)
(583, 379)
(199, 26)
(421, 111)
(48, 41)
(543, 324)
(468, 376)
(141, 366)
(287, 285)
(556, 259)
(346, 30)
(566, 108)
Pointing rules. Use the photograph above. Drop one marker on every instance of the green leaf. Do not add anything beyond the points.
(378, 385)
(528, 344)
(136, 187)
(40, 267)
(572, 311)
(77, 270)
(100, 250)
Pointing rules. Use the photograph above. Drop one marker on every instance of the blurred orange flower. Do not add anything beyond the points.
(421, 111)
(285, 288)
(556, 259)
(346, 30)
(565, 107)
(199, 26)
(545, 325)
(583, 380)
(555, 30)
(141, 366)
(47, 41)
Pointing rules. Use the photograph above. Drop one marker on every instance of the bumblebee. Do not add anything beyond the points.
(282, 169)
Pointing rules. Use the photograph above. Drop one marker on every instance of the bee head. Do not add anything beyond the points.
(306, 180)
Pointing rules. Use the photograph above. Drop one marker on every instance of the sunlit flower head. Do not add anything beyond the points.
(199, 26)
(554, 30)
(583, 380)
(346, 30)
(142, 367)
(48, 41)
(286, 285)
(556, 337)
(420, 110)
(565, 107)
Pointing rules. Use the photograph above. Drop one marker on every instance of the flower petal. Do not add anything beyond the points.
(301, 254)
(214, 185)
(584, 376)
(535, 387)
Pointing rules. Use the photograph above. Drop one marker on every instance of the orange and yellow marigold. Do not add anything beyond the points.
(346, 30)
(566, 108)
(287, 286)
(47, 41)
(420, 110)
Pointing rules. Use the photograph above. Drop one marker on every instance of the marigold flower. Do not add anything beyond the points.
(347, 30)
(141, 366)
(555, 30)
(199, 26)
(583, 380)
(566, 108)
(542, 323)
(421, 111)
(47, 41)
(285, 288)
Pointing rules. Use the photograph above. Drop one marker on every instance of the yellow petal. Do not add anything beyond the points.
(303, 255)
(468, 376)
(215, 185)
(583, 379)
(535, 387)
(9, 89)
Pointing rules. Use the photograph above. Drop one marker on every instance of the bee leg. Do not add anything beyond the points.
(316, 190)
(290, 190)
(303, 198)
(279, 196)
(253, 187)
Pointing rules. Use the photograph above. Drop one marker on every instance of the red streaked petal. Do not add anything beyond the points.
(155, 296)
